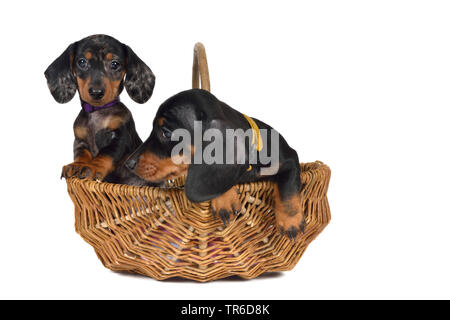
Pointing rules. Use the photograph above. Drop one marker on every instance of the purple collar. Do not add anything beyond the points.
(90, 108)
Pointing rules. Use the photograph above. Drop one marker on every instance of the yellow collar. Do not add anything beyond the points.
(256, 135)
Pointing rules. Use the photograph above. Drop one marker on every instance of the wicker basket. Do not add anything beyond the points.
(159, 233)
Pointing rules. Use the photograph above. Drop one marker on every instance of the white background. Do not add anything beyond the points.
(360, 85)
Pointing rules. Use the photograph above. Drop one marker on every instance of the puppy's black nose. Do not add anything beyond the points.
(131, 164)
(96, 94)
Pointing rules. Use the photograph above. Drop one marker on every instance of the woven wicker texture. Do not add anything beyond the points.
(159, 233)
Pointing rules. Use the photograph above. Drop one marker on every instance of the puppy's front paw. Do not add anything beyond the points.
(97, 169)
(72, 170)
(226, 205)
(90, 171)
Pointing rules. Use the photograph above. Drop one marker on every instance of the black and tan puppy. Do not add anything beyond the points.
(156, 161)
(99, 67)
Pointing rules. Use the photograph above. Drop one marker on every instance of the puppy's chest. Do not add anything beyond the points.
(97, 130)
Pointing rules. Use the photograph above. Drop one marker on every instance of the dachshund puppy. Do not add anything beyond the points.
(99, 67)
(160, 157)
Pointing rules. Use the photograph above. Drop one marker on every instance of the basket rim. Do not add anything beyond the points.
(311, 167)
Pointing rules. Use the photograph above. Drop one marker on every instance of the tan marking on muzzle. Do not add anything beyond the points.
(155, 169)
(83, 89)
(111, 88)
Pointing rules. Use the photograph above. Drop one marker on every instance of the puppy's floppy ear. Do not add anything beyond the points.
(60, 78)
(139, 80)
(206, 182)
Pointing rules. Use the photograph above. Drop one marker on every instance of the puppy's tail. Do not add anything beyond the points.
(200, 73)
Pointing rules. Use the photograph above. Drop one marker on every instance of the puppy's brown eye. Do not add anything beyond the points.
(115, 65)
(82, 63)
(166, 132)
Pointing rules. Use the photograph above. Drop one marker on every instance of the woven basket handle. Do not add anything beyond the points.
(200, 71)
